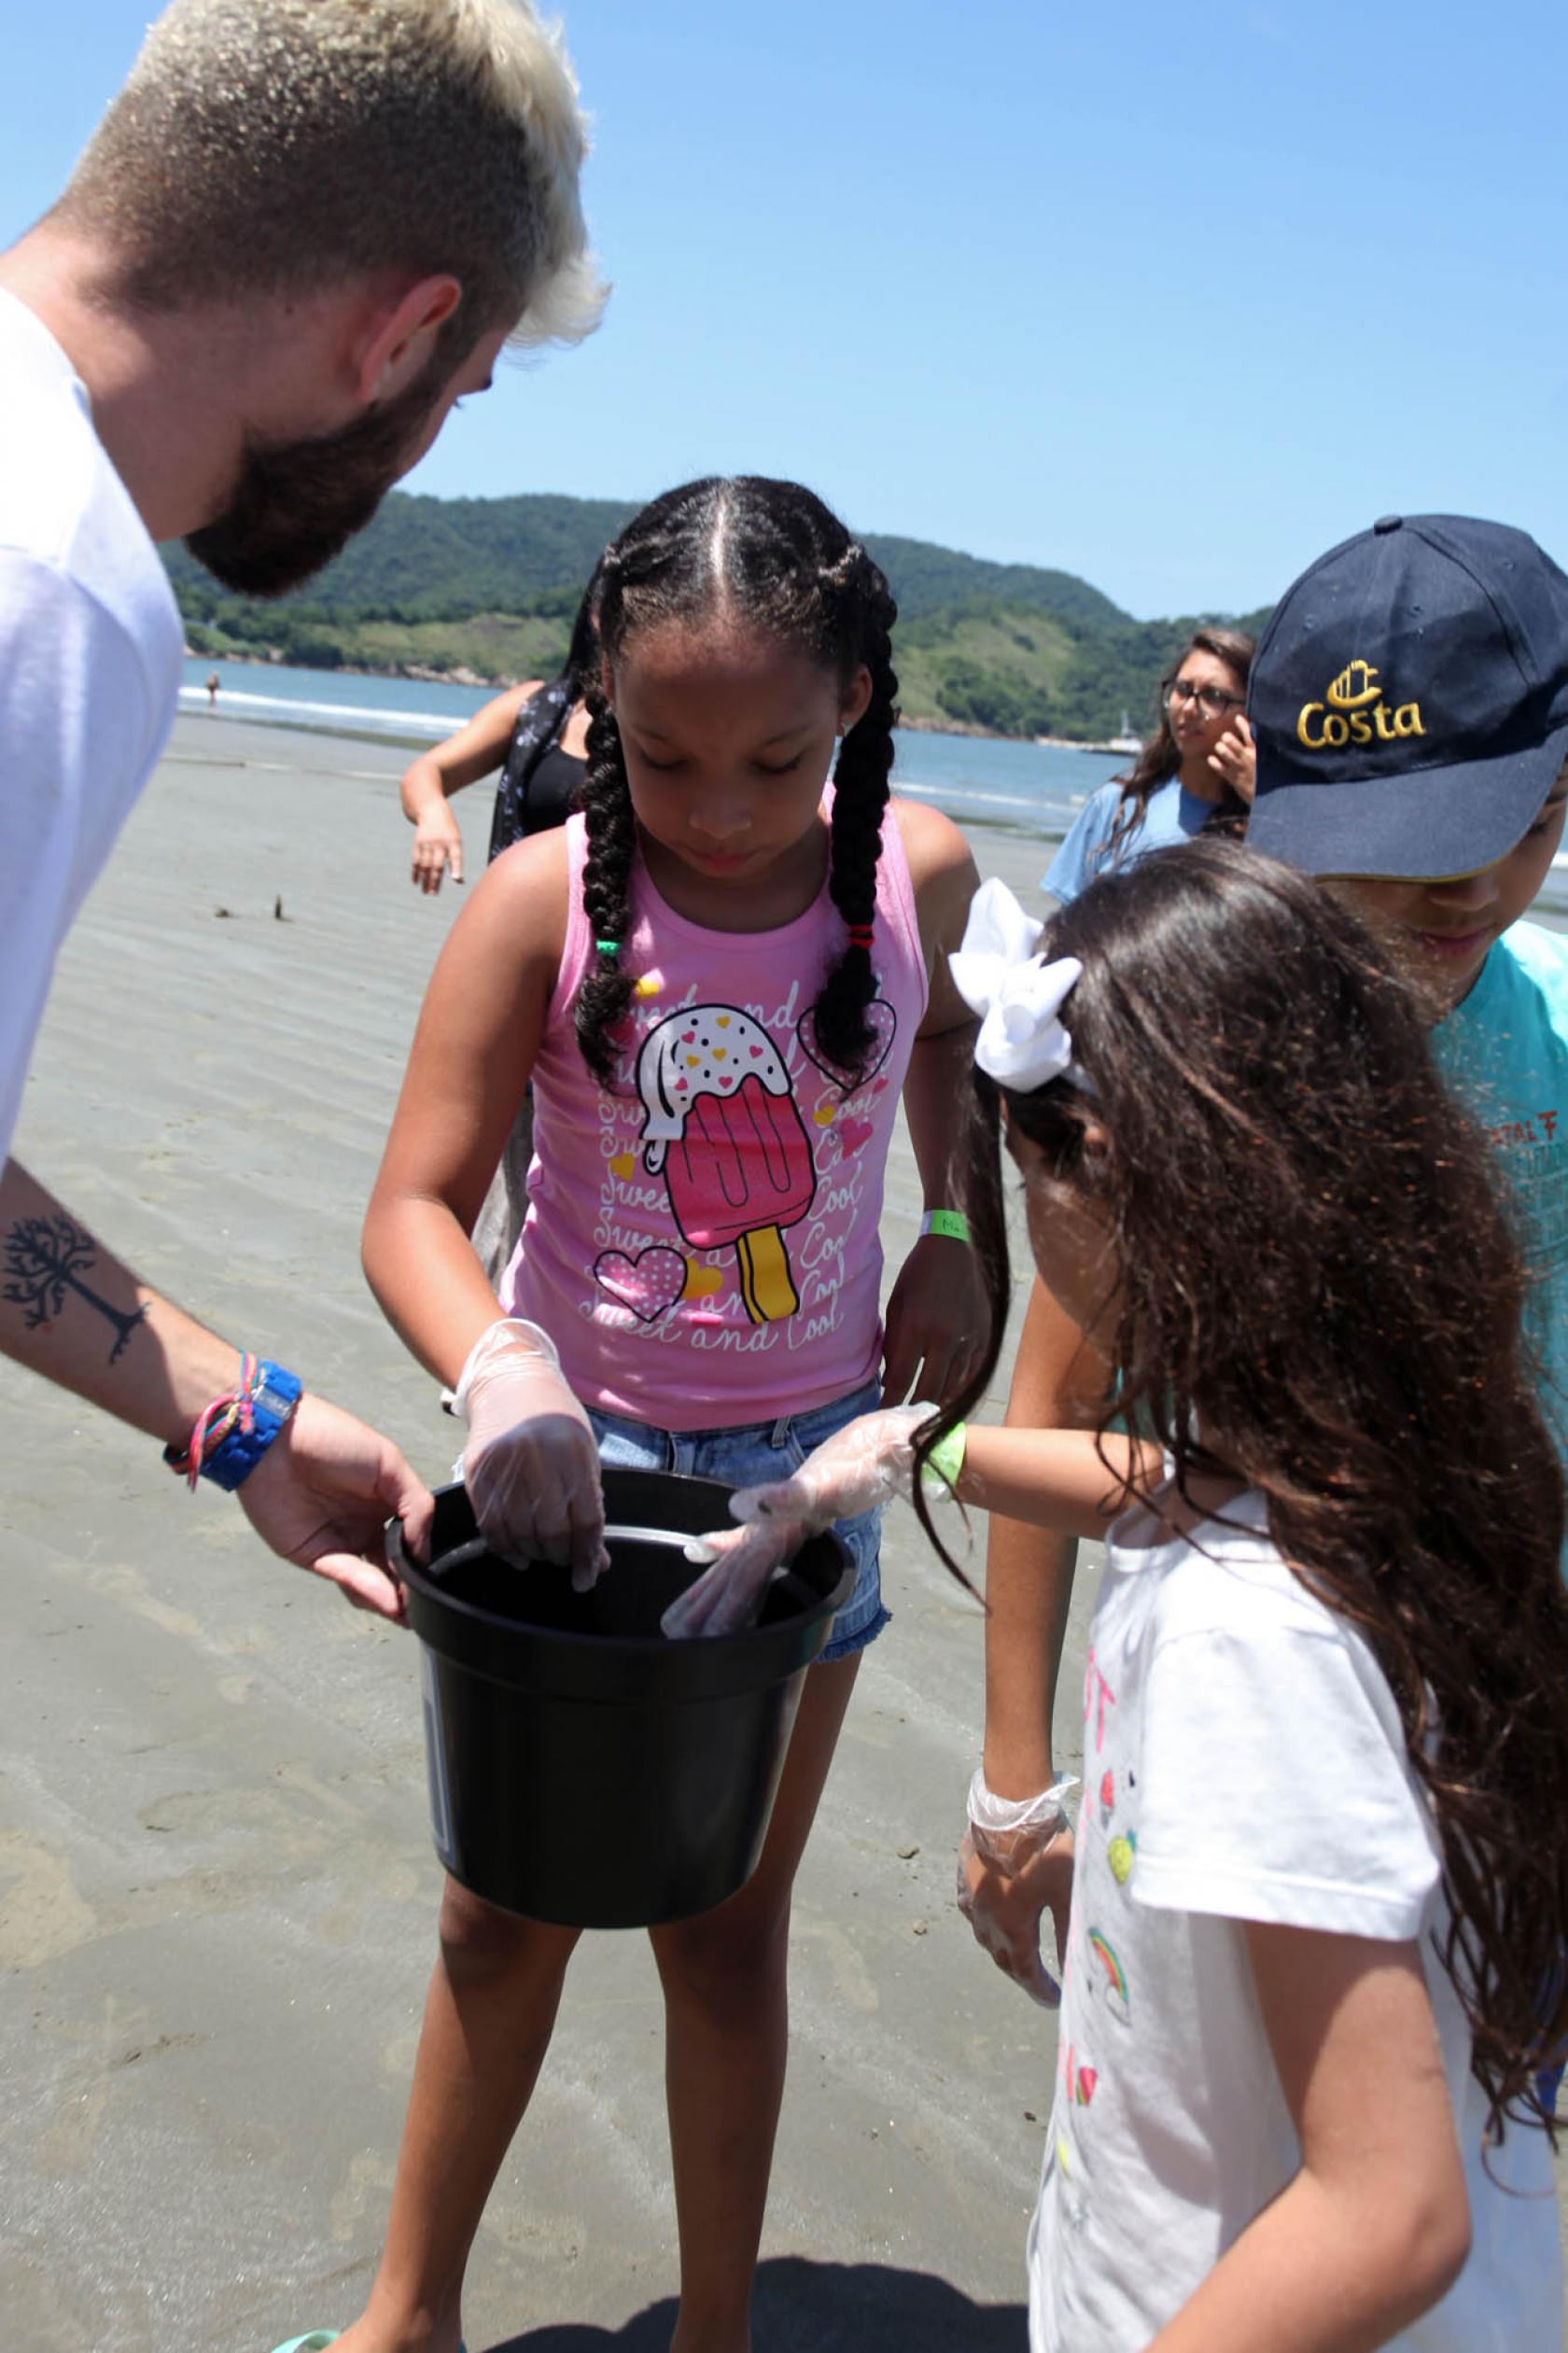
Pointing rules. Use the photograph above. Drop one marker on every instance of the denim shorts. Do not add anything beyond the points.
(747, 1457)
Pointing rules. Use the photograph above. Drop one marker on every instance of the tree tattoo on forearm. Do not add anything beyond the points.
(46, 1257)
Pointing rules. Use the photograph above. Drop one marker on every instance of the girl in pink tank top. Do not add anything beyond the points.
(722, 978)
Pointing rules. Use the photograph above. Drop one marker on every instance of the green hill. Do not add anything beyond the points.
(488, 587)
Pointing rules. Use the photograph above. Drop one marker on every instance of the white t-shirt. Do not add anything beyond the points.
(89, 665)
(1243, 1760)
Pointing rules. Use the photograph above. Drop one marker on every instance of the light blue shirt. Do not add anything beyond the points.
(1171, 815)
(1505, 1053)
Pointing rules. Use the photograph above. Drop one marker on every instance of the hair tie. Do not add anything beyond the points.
(861, 935)
(607, 948)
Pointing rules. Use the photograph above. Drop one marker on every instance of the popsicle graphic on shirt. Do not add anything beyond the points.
(720, 1125)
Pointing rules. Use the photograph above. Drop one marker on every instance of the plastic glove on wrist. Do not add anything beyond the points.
(859, 1468)
(1016, 1863)
(531, 1465)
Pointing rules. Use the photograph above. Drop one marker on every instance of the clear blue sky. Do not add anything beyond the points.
(1173, 300)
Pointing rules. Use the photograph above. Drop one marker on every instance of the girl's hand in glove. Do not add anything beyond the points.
(1014, 1865)
(728, 1595)
(859, 1468)
(531, 1466)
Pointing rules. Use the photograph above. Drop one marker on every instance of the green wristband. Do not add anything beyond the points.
(951, 1224)
(945, 1461)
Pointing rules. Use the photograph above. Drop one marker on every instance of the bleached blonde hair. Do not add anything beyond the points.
(279, 146)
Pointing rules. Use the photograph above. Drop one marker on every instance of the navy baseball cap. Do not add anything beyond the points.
(1409, 699)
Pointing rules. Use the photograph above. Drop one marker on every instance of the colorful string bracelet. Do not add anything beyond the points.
(231, 1436)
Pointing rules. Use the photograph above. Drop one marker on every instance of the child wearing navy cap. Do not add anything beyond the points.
(1410, 703)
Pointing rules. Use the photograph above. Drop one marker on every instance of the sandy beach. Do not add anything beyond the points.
(219, 1893)
(219, 1890)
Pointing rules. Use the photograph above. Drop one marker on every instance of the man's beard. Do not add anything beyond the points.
(296, 504)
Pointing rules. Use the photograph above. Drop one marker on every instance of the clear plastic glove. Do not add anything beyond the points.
(729, 1594)
(859, 1468)
(531, 1466)
(1014, 1865)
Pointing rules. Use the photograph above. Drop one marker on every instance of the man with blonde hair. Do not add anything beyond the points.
(302, 230)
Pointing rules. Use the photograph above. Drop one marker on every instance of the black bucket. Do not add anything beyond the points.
(584, 1770)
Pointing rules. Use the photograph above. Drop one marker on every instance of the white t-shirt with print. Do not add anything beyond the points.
(1244, 1761)
(89, 665)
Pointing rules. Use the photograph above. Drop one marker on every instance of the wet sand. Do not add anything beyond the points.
(216, 1889)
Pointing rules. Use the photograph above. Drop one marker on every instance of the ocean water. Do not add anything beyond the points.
(1037, 788)
(1033, 788)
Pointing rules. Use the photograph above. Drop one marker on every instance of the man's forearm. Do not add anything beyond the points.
(70, 1311)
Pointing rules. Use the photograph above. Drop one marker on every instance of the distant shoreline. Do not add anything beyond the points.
(422, 673)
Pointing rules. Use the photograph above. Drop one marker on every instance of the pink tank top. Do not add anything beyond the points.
(701, 1243)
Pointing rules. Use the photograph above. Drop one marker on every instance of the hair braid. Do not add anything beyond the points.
(768, 556)
(605, 995)
(860, 801)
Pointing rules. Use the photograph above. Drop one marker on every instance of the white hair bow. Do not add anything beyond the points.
(1022, 1042)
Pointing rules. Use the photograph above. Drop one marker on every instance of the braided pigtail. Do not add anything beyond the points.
(768, 556)
(860, 801)
(605, 997)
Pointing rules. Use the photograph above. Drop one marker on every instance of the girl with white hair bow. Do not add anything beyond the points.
(1314, 1956)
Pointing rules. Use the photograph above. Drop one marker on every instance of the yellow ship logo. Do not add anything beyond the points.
(1356, 686)
(1355, 710)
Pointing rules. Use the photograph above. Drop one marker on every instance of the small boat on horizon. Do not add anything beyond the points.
(1125, 742)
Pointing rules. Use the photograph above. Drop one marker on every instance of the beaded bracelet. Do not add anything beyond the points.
(231, 1436)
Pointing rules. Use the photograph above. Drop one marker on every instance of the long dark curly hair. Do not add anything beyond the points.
(772, 556)
(1318, 1292)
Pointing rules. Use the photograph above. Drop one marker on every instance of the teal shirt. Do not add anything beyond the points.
(1505, 1053)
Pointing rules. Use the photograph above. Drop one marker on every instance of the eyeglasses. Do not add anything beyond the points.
(1213, 701)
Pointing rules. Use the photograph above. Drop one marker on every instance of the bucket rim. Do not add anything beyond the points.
(742, 1644)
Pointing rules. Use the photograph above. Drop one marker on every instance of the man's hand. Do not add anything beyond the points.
(322, 1494)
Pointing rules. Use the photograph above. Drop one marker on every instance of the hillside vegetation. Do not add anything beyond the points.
(487, 587)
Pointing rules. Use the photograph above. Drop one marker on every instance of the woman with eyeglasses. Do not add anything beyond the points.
(1195, 772)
